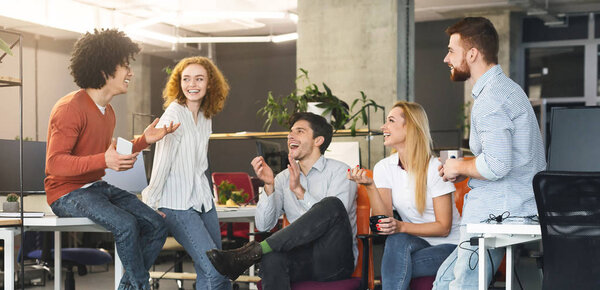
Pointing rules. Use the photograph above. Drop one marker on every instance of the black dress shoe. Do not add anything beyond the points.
(233, 263)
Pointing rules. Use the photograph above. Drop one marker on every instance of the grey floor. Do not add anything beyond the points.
(105, 279)
(527, 271)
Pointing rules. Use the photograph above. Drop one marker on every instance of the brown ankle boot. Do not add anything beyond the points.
(233, 263)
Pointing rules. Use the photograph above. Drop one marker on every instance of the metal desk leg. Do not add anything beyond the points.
(251, 286)
(8, 235)
(57, 261)
(509, 267)
(118, 268)
(482, 264)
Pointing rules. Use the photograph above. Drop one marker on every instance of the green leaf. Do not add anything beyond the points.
(327, 90)
(364, 116)
(5, 47)
(353, 104)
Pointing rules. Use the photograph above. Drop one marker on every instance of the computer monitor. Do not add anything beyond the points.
(574, 139)
(275, 157)
(34, 165)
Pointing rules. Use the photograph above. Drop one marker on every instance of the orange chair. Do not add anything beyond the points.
(363, 272)
(242, 181)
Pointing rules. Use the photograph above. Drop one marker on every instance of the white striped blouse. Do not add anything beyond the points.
(180, 160)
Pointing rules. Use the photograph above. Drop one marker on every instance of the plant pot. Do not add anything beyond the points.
(312, 108)
(10, 206)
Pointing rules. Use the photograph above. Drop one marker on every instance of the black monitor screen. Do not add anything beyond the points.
(275, 157)
(34, 164)
(574, 139)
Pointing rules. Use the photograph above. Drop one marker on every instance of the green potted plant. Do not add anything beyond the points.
(280, 109)
(5, 47)
(229, 194)
(12, 203)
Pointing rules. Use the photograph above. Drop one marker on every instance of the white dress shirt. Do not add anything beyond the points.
(180, 160)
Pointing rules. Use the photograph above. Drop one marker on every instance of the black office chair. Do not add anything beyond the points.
(569, 208)
(39, 246)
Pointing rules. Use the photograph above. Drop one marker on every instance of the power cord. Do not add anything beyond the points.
(474, 241)
(517, 277)
(506, 216)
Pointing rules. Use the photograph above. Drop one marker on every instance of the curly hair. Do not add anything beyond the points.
(217, 89)
(96, 55)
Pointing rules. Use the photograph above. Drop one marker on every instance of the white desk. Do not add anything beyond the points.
(240, 214)
(57, 225)
(502, 235)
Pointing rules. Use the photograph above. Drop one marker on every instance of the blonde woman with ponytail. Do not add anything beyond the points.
(408, 181)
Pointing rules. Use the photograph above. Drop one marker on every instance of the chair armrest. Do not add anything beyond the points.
(366, 237)
(265, 234)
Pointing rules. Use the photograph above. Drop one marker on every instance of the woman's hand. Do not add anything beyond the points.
(389, 226)
(153, 134)
(162, 214)
(359, 176)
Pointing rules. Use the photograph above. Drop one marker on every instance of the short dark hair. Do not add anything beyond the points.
(478, 32)
(318, 124)
(96, 55)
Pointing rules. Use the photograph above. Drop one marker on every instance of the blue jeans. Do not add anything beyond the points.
(406, 256)
(139, 231)
(461, 268)
(198, 232)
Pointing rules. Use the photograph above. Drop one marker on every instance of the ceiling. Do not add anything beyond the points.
(164, 23)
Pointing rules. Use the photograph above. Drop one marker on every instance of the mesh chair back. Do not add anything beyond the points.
(569, 208)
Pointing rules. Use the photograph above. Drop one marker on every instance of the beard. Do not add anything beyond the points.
(460, 74)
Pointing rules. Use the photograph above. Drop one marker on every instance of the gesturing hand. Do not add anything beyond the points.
(154, 134)
(116, 161)
(264, 172)
(295, 185)
(359, 176)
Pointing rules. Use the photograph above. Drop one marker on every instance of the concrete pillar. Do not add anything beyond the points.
(352, 46)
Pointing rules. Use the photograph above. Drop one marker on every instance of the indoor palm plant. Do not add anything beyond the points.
(280, 109)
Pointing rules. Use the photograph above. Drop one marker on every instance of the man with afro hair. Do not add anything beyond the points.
(80, 148)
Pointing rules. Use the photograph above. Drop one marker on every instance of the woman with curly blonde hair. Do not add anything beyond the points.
(179, 189)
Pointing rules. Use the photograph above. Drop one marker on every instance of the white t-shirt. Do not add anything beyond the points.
(388, 174)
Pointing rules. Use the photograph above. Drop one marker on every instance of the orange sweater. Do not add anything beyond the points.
(78, 136)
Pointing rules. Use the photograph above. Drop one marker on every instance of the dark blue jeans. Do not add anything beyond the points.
(139, 231)
(316, 247)
(406, 256)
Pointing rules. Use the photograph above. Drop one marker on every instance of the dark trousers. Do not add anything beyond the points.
(315, 247)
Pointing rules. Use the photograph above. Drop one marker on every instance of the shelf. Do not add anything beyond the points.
(9, 82)
(282, 135)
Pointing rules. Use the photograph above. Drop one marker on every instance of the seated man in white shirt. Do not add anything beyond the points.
(320, 203)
